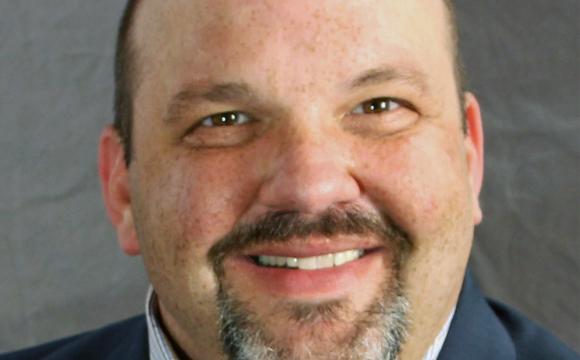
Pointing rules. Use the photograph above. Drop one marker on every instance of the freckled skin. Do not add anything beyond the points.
(298, 54)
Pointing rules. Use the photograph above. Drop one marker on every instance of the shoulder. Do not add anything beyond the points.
(482, 329)
(530, 340)
(121, 340)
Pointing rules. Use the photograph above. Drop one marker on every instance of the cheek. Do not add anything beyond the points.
(197, 199)
(182, 205)
(420, 181)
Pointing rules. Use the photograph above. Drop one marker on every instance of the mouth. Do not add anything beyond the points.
(324, 261)
(309, 273)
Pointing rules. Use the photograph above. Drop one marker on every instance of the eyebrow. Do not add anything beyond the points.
(385, 74)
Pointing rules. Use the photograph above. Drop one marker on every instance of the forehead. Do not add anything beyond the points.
(298, 39)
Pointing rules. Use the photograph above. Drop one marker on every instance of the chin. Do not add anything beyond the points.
(330, 329)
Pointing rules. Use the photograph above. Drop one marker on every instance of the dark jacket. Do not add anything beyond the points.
(480, 330)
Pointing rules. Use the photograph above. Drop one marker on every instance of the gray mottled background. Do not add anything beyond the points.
(61, 271)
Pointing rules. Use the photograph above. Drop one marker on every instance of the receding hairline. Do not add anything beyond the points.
(127, 31)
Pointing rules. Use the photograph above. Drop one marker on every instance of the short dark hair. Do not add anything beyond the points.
(126, 76)
(125, 79)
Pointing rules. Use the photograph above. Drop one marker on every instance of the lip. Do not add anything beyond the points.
(308, 285)
(314, 247)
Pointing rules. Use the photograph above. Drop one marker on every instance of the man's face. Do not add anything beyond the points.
(338, 129)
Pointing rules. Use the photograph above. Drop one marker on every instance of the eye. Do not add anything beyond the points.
(225, 129)
(231, 118)
(377, 106)
(381, 116)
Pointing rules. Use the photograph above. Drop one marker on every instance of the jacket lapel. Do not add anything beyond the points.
(134, 344)
(476, 333)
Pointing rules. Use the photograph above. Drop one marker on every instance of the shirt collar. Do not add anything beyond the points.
(160, 347)
(435, 348)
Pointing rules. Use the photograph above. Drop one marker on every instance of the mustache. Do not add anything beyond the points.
(278, 227)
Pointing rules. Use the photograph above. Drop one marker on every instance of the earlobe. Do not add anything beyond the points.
(474, 147)
(127, 235)
(114, 177)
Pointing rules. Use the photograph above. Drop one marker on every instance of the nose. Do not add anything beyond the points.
(310, 173)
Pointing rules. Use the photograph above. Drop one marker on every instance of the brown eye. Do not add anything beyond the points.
(376, 106)
(381, 116)
(232, 118)
(225, 129)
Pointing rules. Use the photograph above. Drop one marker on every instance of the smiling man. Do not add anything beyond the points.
(301, 179)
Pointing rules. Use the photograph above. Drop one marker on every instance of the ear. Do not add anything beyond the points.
(474, 148)
(115, 187)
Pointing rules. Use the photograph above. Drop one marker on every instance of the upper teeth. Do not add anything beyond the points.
(311, 263)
